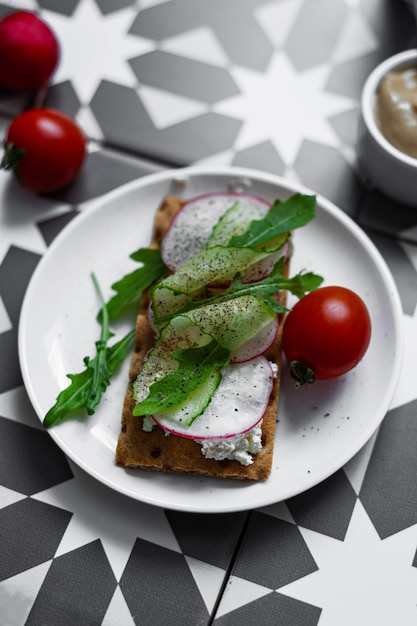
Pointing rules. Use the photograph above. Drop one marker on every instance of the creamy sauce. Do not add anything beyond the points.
(396, 110)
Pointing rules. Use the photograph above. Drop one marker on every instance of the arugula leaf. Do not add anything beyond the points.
(196, 365)
(299, 285)
(282, 217)
(71, 398)
(87, 387)
(75, 396)
(131, 286)
(98, 365)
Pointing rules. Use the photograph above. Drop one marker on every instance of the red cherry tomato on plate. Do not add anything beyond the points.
(45, 148)
(29, 51)
(326, 334)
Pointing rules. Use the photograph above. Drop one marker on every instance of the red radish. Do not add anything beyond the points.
(262, 269)
(29, 51)
(192, 226)
(257, 344)
(237, 405)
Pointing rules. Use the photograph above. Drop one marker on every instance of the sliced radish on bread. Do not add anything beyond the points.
(256, 345)
(237, 405)
(198, 222)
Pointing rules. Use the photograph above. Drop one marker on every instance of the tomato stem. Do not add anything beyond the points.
(12, 157)
(302, 374)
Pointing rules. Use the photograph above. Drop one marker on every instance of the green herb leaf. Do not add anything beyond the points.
(71, 398)
(87, 387)
(195, 366)
(282, 218)
(100, 379)
(266, 289)
(300, 284)
(104, 365)
(131, 286)
(117, 353)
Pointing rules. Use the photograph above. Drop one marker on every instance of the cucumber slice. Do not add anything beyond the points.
(234, 322)
(209, 266)
(235, 221)
(195, 404)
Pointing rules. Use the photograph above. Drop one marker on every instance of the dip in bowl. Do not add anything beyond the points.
(387, 139)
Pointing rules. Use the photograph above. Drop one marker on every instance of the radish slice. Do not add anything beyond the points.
(193, 225)
(262, 269)
(237, 405)
(257, 344)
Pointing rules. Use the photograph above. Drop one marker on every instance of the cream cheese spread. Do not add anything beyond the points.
(238, 448)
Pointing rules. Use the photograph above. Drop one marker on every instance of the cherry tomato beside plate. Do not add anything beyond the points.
(326, 334)
(29, 51)
(45, 149)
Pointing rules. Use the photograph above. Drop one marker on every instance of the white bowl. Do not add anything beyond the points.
(381, 164)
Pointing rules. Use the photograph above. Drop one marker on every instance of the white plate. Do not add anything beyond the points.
(320, 427)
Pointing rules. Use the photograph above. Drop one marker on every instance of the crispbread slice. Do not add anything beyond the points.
(168, 453)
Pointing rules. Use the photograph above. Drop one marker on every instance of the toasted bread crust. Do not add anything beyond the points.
(168, 453)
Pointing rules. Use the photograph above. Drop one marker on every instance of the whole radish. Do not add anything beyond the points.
(29, 51)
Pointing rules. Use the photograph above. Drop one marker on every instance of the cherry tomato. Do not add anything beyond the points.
(29, 51)
(326, 334)
(45, 148)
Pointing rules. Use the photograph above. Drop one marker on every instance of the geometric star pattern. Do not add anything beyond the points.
(281, 549)
(356, 581)
(142, 566)
(159, 84)
(81, 599)
(267, 108)
(112, 42)
(391, 474)
(41, 465)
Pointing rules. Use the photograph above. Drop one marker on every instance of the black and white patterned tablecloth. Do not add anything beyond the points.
(269, 84)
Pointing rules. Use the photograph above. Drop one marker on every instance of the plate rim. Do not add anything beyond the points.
(181, 175)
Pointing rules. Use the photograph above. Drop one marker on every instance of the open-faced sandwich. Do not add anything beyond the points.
(205, 371)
